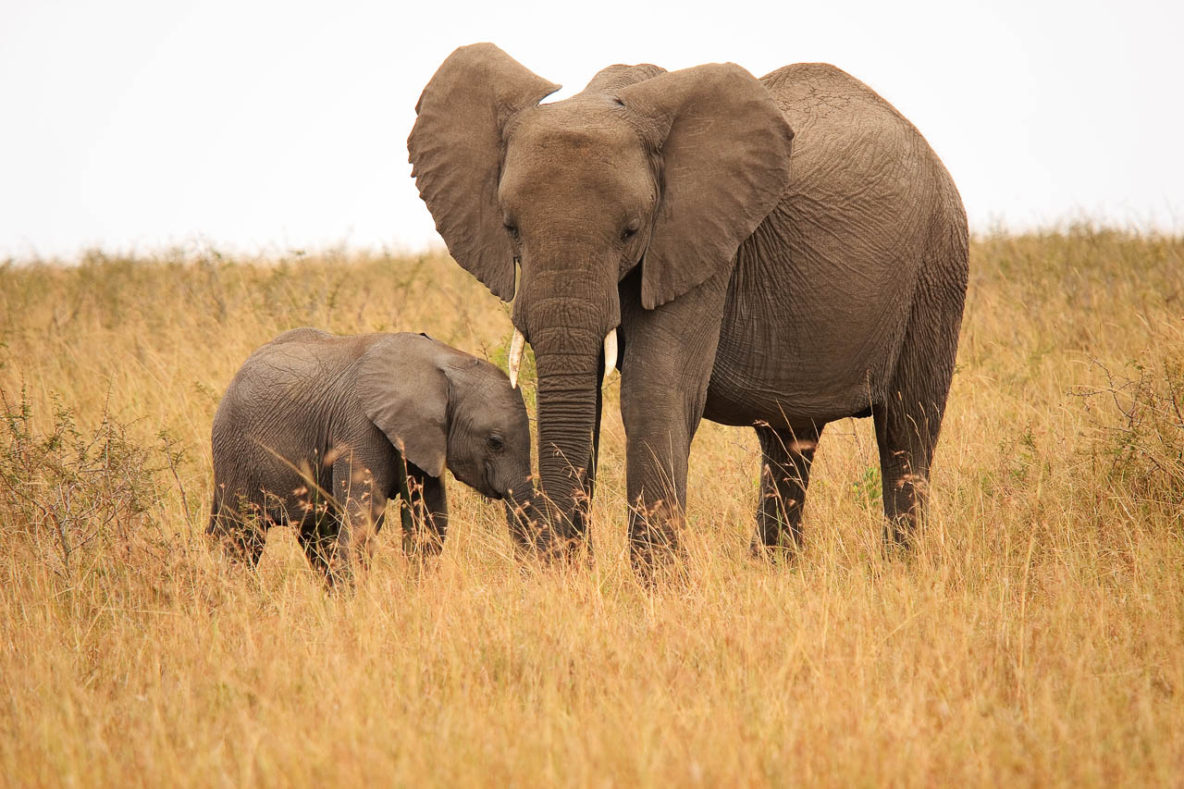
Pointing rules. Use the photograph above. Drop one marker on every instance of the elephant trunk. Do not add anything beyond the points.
(568, 411)
(528, 525)
(566, 311)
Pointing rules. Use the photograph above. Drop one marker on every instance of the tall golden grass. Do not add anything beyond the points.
(1036, 635)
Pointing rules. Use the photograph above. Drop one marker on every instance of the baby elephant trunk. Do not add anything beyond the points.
(528, 527)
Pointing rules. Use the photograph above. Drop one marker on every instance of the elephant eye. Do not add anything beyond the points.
(496, 444)
(630, 230)
(512, 229)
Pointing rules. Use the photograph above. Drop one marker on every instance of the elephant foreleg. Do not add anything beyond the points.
(657, 490)
(361, 501)
(786, 457)
(667, 362)
(425, 522)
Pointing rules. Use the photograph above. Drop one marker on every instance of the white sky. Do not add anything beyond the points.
(268, 126)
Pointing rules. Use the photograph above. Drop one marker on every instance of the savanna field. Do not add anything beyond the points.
(1035, 636)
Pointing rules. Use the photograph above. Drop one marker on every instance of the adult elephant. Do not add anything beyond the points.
(663, 212)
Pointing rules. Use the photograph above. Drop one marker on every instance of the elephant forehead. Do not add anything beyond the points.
(489, 409)
(483, 385)
(597, 144)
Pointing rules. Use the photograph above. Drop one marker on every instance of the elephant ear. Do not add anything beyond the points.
(404, 392)
(724, 147)
(455, 150)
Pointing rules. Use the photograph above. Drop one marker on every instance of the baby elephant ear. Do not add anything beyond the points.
(404, 393)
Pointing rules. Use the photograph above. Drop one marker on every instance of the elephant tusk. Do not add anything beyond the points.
(517, 343)
(610, 354)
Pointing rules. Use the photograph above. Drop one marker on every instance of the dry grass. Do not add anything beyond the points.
(1036, 636)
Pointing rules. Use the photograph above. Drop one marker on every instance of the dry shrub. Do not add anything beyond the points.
(1139, 418)
(69, 492)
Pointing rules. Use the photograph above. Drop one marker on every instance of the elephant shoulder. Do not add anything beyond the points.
(842, 124)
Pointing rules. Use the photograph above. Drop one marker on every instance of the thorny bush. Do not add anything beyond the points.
(1140, 418)
(67, 491)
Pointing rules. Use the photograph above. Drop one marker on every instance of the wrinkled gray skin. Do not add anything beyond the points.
(318, 432)
(749, 284)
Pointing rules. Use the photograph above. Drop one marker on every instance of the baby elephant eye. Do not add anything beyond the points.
(496, 444)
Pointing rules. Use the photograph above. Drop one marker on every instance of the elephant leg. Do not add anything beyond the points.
(241, 537)
(656, 488)
(362, 501)
(786, 457)
(319, 520)
(425, 514)
(909, 420)
(907, 427)
(318, 536)
(667, 361)
(906, 438)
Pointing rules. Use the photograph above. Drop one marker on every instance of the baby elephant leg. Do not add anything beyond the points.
(319, 521)
(318, 537)
(361, 499)
(240, 532)
(425, 514)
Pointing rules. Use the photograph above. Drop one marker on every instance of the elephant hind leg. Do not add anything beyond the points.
(908, 422)
(909, 419)
(241, 537)
(906, 433)
(786, 457)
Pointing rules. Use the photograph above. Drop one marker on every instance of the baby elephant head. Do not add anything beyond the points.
(440, 406)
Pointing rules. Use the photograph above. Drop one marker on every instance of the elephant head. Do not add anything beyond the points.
(442, 407)
(669, 171)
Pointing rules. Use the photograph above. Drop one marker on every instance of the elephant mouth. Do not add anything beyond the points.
(518, 346)
(488, 489)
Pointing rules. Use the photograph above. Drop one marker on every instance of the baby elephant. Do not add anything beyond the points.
(318, 431)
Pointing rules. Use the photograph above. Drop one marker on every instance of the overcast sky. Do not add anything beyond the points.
(262, 126)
